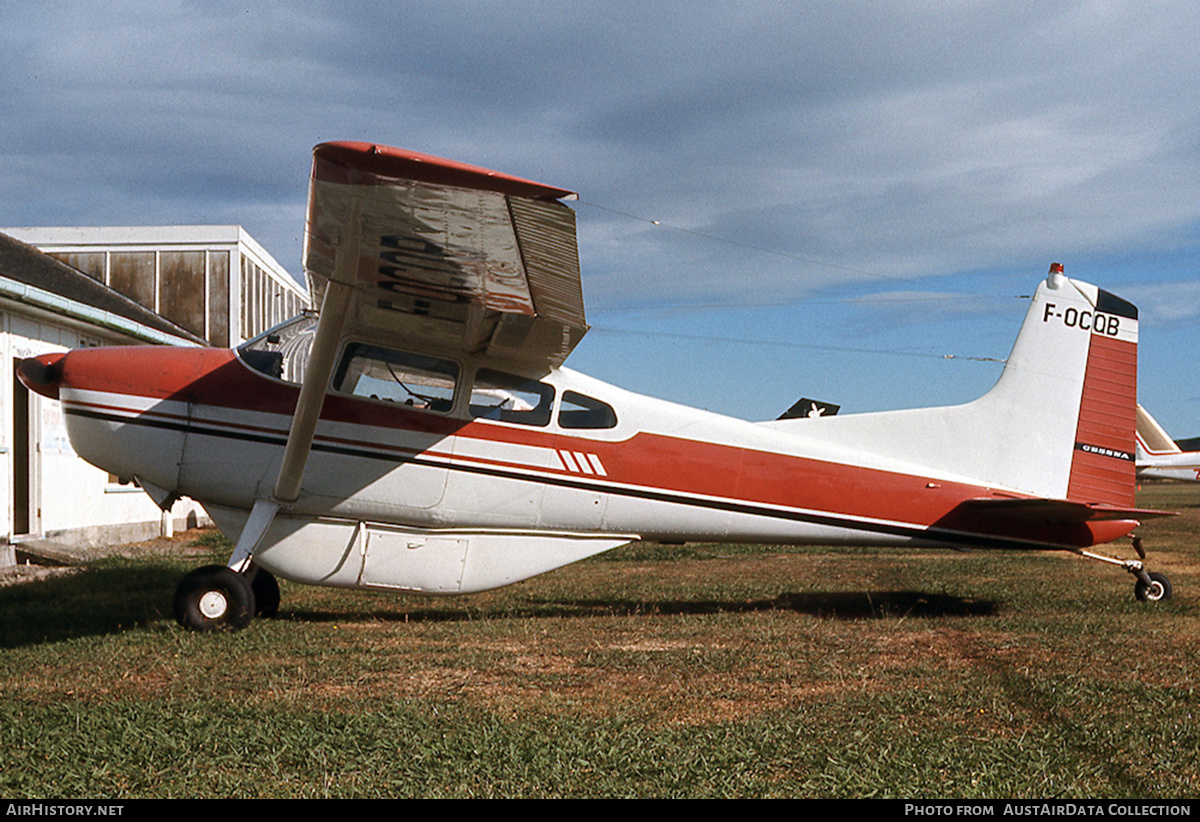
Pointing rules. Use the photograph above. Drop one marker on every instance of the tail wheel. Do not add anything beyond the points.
(214, 598)
(1158, 589)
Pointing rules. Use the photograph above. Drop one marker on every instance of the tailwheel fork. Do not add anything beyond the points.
(1148, 587)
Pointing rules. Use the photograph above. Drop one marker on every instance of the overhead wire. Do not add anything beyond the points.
(785, 344)
(776, 252)
(963, 295)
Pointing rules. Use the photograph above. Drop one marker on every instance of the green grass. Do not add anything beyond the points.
(673, 671)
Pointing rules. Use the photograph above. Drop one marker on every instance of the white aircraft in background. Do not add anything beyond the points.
(419, 433)
(1160, 456)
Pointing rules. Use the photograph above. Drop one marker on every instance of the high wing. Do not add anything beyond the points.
(445, 254)
(408, 249)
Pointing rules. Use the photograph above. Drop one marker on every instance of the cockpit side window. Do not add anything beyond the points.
(509, 398)
(415, 380)
(580, 411)
(282, 352)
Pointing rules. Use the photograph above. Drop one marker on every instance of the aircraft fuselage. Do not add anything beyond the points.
(205, 424)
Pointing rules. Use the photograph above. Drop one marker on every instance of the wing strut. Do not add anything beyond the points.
(334, 309)
(312, 393)
(330, 321)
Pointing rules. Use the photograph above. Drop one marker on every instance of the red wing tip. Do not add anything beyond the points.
(348, 157)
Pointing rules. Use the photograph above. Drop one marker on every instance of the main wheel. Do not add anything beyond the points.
(214, 598)
(266, 593)
(1158, 590)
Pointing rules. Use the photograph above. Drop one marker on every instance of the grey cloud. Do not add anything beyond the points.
(912, 140)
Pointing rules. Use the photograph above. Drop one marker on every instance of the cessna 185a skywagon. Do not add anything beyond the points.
(418, 433)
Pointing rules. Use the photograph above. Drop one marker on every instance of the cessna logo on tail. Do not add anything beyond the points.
(1115, 453)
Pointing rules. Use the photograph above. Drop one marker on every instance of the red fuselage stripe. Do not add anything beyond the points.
(647, 464)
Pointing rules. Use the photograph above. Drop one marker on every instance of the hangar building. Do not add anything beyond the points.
(179, 285)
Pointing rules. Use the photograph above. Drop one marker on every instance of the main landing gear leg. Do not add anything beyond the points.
(227, 597)
(1149, 587)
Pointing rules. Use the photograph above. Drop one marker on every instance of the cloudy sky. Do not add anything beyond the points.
(840, 200)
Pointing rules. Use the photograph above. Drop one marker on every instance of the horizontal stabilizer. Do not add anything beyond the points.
(1058, 510)
(1016, 523)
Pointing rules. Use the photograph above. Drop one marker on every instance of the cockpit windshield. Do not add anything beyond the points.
(282, 352)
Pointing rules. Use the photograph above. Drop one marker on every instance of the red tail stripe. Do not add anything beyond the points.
(1107, 420)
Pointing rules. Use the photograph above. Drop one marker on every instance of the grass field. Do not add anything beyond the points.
(695, 671)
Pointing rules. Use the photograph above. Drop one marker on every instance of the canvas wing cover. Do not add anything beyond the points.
(444, 255)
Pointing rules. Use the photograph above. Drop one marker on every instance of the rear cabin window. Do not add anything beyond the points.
(580, 411)
(509, 398)
(415, 380)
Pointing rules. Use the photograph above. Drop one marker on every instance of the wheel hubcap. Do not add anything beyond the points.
(213, 604)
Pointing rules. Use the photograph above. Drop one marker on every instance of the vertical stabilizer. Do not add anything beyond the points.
(1073, 375)
(1060, 422)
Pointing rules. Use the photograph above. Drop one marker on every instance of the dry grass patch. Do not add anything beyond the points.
(660, 671)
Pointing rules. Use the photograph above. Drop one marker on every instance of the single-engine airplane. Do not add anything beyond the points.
(419, 432)
(1162, 457)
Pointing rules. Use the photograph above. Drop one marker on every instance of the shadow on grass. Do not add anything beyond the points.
(823, 605)
(886, 605)
(93, 601)
(113, 597)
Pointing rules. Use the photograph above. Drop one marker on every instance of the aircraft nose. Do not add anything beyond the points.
(42, 374)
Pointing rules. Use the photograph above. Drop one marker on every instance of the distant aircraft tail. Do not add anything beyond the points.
(1161, 457)
(1060, 423)
(1152, 440)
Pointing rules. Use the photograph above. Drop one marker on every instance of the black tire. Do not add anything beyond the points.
(266, 593)
(214, 598)
(1159, 589)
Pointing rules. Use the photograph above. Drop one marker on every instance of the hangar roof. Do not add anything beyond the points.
(24, 264)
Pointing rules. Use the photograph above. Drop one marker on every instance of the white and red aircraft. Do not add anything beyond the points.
(419, 433)
(1162, 457)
